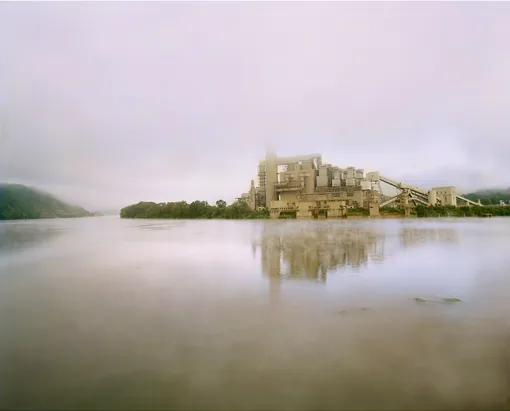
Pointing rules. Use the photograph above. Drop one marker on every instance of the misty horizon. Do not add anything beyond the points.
(108, 104)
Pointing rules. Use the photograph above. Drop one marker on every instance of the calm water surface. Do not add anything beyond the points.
(104, 313)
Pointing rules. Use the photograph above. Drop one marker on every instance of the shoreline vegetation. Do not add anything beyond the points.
(196, 210)
(19, 202)
(239, 210)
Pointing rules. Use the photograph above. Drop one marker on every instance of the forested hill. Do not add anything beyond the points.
(20, 202)
(490, 196)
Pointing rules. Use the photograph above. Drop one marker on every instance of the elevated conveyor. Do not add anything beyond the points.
(395, 184)
(470, 202)
(415, 194)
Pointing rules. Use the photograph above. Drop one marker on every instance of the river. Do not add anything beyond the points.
(104, 313)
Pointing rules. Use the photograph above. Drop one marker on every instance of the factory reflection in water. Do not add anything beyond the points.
(312, 251)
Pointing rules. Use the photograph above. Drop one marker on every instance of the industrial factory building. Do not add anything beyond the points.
(305, 186)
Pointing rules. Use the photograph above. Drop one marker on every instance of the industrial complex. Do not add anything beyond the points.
(305, 186)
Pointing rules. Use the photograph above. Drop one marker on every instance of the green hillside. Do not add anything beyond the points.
(490, 196)
(20, 202)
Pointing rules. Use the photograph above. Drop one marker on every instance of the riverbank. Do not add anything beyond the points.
(181, 210)
(442, 211)
(241, 211)
(464, 211)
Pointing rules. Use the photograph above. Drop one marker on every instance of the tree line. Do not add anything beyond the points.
(240, 210)
(463, 211)
(195, 210)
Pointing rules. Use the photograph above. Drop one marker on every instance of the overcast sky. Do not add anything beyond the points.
(106, 104)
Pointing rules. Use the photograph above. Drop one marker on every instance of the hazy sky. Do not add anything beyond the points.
(107, 104)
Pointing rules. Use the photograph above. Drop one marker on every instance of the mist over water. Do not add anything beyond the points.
(104, 313)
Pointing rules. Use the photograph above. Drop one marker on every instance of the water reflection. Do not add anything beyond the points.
(412, 236)
(16, 236)
(122, 318)
(311, 251)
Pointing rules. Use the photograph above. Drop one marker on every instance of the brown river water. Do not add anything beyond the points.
(110, 314)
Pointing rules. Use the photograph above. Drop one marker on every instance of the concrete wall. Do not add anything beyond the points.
(324, 176)
(289, 196)
(282, 204)
(373, 209)
(373, 176)
(271, 178)
(447, 195)
(336, 209)
(432, 197)
(366, 185)
(289, 175)
(303, 209)
(310, 181)
(277, 206)
(359, 198)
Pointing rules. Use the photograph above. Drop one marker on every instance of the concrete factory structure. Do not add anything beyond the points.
(304, 185)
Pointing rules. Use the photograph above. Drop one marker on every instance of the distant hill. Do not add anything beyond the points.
(109, 212)
(490, 196)
(20, 202)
